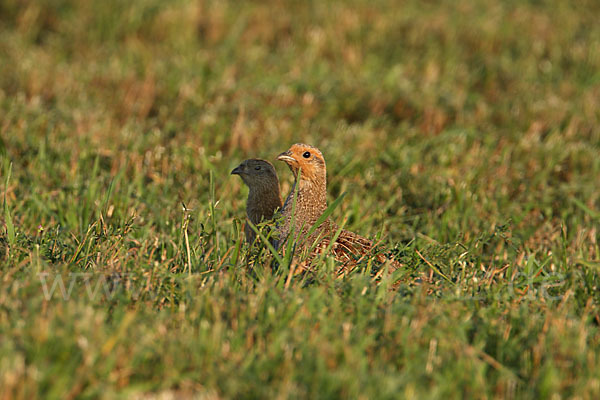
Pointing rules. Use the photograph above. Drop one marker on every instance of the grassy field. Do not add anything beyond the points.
(466, 134)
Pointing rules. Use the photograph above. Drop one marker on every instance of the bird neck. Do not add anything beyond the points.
(314, 189)
(262, 202)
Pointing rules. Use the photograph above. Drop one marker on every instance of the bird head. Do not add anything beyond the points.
(307, 158)
(257, 173)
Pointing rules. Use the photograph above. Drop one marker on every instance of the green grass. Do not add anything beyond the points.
(465, 133)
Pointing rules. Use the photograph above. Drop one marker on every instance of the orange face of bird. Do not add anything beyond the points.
(307, 158)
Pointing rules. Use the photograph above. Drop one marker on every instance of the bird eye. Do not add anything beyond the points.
(257, 168)
(306, 154)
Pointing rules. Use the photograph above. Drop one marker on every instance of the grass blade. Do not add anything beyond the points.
(10, 227)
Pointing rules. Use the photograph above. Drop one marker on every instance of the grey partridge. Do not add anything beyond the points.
(264, 198)
(308, 166)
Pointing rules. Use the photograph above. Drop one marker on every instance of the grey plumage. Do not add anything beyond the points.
(264, 198)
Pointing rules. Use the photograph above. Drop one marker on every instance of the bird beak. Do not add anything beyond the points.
(286, 157)
(237, 170)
